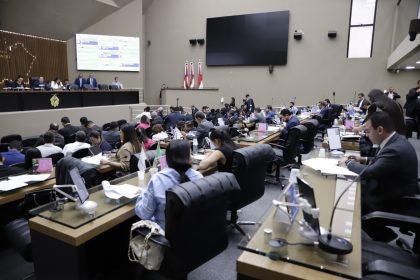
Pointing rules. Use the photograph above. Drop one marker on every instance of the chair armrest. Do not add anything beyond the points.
(277, 146)
(390, 219)
(391, 269)
(158, 239)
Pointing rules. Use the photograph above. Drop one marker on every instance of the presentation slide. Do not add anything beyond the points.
(108, 53)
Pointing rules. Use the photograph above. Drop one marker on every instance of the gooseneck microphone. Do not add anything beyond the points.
(334, 97)
(332, 243)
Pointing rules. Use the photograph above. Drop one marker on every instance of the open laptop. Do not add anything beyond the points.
(95, 150)
(307, 192)
(334, 139)
(78, 182)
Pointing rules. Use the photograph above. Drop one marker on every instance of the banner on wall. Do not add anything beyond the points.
(186, 74)
(200, 75)
(192, 81)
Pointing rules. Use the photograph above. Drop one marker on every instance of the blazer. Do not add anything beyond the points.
(203, 130)
(68, 130)
(94, 82)
(80, 82)
(391, 174)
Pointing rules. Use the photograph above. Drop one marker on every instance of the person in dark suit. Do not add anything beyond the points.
(173, 118)
(112, 136)
(249, 103)
(361, 102)
(392, 94)
(203, 128)
(68, 129)
(92, 81)
(80, 81)
(290, 120)
(412, 105)
(58, 138)
(40, 83)
(392, 173)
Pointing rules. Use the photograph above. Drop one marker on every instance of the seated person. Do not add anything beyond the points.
(56, 83)
(259, 115)
(151, 204)
(144, 122)
(269, 113)
(95, 138)
(290, 120)
(14, 154)
(223, 154)
(49, 148)
(80, 143)
(392, 172)
(156, 119)
(131, 145)
(58, 138)
(293, 109)
(147, 142)
(68, 129)
(41, 84)
(6, 171)
(203, 128)
(112, 136)
(117, 83)
(18, 83)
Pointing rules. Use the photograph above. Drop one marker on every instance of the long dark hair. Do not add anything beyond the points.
(178, 157)
(223, 136)
(130, 135)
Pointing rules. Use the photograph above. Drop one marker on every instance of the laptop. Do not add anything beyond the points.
(95, 150)
(334, 139)
(307, 192)
(78, 182)
(44, 165)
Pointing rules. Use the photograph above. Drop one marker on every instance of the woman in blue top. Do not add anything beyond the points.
(151, 204)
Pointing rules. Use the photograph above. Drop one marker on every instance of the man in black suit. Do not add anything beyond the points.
(392, 173)
(68, 129)
(173, 118)
(361, 102)
(249, 103)
(412, 105)
(80, 81)
(203, 128)
(92, 81)
(392, 94)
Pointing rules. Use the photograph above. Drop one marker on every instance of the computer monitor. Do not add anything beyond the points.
(334, 139)
(81, 189)
(307, 192)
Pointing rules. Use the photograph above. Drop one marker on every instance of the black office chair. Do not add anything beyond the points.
(106, 126)
(308, 140)
(286, 154)
(31, 153)
(410, 126)
(81, 153)
(10, 138)
(56, 157)
(121, 122)
(249, 166)
(30, 142)
(4, 147)
(91, 175)
(195, 223)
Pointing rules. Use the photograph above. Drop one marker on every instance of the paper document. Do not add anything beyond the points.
(127, 190)
(272, 128)
(8, 185)
(30, 178)
(328, 166)
(95, 160)
(199, 156)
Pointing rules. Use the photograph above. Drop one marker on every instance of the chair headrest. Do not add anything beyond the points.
(255, 154)
(195, 192)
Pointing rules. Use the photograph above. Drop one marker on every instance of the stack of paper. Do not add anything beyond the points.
(328, 166)
(20, 181)
(95, 160)
(118, 191)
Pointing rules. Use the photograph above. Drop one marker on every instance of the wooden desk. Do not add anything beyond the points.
(257, 266)
(346, 145)
(20, 193)
(268, 139)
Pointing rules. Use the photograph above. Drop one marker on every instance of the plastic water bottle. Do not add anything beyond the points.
(195, 146)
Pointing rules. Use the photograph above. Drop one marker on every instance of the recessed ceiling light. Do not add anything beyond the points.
(410, 67)
(418, 62)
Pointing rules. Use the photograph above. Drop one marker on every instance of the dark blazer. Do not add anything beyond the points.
(68, 130)
(172, 119)
(94, 82)
(393, 108)
(80, 82)
(250, 105)
(293, 121)
(411, 102)
(203, 130)
(391, 174)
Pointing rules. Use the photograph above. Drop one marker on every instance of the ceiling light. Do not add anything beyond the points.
(418, 62)
(410, 67)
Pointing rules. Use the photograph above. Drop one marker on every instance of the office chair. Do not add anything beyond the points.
(410, 126)
(308, 139)
(56, 157)
(91, 175)
(249, 167)
(195, 229)
(81, 153)
(121, 122)
(31, 153)
(106, 126)
(4, 147)
(10, 138)
(286, 154)
(30, 142)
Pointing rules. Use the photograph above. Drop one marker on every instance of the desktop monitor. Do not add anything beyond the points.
(307, 192)
(334, 139)
(81, 189)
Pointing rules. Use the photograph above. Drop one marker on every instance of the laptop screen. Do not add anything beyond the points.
(81, 189)
(334, 140)
(307, 193)
(94, 150)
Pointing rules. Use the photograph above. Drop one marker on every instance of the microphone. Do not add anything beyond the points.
(334, 97)
(332, 243)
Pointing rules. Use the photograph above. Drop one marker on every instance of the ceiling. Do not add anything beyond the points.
(57, 19)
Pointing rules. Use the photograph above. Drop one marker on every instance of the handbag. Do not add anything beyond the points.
(140, 250)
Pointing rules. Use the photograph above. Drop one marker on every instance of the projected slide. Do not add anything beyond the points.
(109, 53)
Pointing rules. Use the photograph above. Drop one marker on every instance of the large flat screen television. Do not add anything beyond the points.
(107, 53)
(254, 39)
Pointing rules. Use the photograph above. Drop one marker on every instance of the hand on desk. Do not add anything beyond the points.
(105, 161)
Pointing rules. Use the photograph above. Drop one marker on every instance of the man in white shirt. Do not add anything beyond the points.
(80, 143)
(117, 83)
(49, 148)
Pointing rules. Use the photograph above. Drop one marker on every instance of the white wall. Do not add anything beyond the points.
(317, 65)
(127, 21)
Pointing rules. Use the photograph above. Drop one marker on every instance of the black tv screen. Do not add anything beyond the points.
(255, 39)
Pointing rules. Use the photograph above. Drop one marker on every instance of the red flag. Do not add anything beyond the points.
(192, 75)
(200, 76)
(186, 73)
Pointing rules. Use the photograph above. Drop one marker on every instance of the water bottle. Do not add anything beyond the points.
(195, 146)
